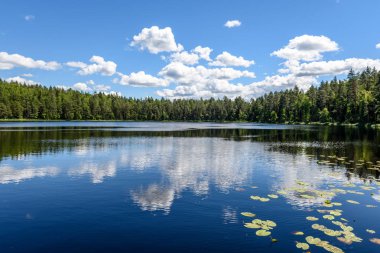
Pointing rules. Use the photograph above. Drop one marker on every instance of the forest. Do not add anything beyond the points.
(355, 99)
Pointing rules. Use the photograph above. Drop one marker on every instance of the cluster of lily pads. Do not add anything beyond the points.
(343, 232)
(263, 226)
(310, 240)
(333, 160)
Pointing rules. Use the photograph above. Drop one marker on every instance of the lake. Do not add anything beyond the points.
(188, 187)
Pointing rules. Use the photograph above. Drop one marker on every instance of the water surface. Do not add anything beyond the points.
(181, 187)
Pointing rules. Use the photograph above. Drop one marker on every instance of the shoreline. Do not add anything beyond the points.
(366, 125)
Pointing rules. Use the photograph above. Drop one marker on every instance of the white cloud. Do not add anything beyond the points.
(156, 40)
(20, 79)
(199, 81)
(82, 87)
(29, 17)
(10, 61)
(226, 59)
(232, 23)
(306, 48)
(140, 79)
(203, 52)
(101, 88)
(93, 88)
(378, 45)
(336, 67)
(185, 58)
(27, 75)
(186, 75)
(106, 68)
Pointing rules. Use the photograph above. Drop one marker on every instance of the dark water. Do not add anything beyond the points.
(181, 187)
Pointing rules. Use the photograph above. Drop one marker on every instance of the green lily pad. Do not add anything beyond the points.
(248, 214)
(370, 231)
(262, 232)
(302, 245)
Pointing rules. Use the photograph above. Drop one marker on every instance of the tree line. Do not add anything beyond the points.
(353, 100)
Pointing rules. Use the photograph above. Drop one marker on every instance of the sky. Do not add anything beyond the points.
(186, 49)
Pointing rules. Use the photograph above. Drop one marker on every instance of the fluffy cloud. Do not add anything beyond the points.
(185, 75)
(82, 87)
(337, 67)
(156, 40)
(306, 48)
(90, 86)
(10, 61)
(226, 59)
(185, 58)
(378, 45)
(199, 81)
(20, 79)
(211, 88)
(232, 23)
(203, 52)
(140, 79)
(106, 68)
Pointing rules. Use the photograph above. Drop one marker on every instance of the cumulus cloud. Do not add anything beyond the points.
(226, 59)
(20, 79)
(302, 67)
(336, 67)
(90, 86)
(378, 45)
(306, 48)
(106, 68)
(199, 81)
(203, 52)
(232, 23)
(185, 58)
(140, 79)
(156, 40)
(10, 61)
(82, 87)
(186, 75)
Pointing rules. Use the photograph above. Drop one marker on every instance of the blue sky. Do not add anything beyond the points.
(148, 48)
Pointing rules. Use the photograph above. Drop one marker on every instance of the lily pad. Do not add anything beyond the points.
(328, 217)
(252, 225)
(375, 240)
(262, 232)
(370, 231)
(248, 214)
(302, 245)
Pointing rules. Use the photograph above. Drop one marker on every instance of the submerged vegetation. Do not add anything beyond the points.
(354, 100)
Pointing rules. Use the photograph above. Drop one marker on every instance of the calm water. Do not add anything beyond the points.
(181, 187)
